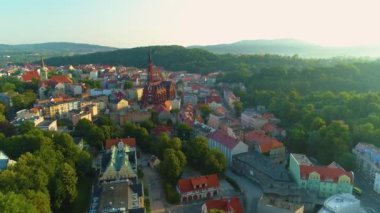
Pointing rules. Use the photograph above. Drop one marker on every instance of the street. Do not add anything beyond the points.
(370, 201)
(251, 191)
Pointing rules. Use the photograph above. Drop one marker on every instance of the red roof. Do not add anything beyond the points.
(114, 141)
(30, 75)
(188, 185)
(269, 127)
(325, 172)
(61, 79)
(226, 205)
(266, 143)
(158, 130)
(224, 139)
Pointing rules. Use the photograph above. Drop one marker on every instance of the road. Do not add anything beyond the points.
(370, 201)
(251, 191)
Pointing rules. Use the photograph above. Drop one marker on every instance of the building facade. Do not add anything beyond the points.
(367, 159)
(324, 181)
(226, 144)
(198, 187)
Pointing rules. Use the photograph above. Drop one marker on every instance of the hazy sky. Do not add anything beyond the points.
(130, 23)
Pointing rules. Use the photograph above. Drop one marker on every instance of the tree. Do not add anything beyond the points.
(184, 131)
(238, 107)
(215, 162)
(16, 203)
(347, 161)
(196, 151)
(205, 111)
(6, 87)
(141, 134)
(128, 85)
(172, 165)
(64, 190)
(40, 200)
(25, 127)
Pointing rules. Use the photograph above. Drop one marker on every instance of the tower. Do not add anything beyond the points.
(44, 69)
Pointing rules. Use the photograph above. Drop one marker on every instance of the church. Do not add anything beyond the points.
(156, 90)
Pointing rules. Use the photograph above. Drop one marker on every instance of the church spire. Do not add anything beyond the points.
(150, 57)
(44, 68)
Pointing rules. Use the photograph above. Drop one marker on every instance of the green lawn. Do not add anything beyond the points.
(82, 202)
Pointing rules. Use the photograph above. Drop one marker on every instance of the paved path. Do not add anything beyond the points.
(152, 181)
(251, 191)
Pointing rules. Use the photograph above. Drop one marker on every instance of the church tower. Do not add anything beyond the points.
(44, 70)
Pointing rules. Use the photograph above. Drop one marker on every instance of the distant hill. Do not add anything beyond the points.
(55, 47)
(177, 58)
(30, 52)
(289, 47)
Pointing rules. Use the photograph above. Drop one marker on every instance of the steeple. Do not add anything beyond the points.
(42, 63)
(151, 71)
(150, 57)
(44, 69)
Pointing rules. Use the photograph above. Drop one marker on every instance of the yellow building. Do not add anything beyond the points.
(122, 104)
(82, 115)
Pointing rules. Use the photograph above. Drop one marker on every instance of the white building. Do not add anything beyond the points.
(226, 144)
(341, 203)
(376, 185)
(367, 159)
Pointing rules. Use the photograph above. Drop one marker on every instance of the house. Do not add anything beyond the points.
(76, 117)
(226, 144)
(134, 116)
(61, 79)
(94, 74)
(77, 89)
(161, 129)
(269, 204)
(48, 125)
(29, 76)
(230, 98)
(58, 107)
(324, 181)
(259, 141)
(122, 104)
(198, 187)
(99, 92)
(228, 205)
(200, 129)
(190, 99)
(251, 118)
(215, 120)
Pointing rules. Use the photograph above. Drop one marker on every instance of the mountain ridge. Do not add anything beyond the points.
(289, 47)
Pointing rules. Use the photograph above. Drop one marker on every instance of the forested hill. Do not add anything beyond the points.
(180, 58)
(54, 47)
(27, 53)
(290, 47)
